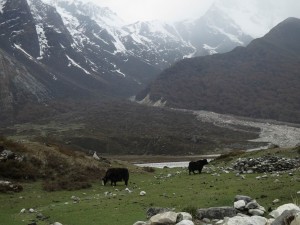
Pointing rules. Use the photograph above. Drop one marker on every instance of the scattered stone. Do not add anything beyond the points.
(256, 212)
(276, 201)
(75, 199)
(142, 193)
(140, 223)
(277, 212)
(156, 210)
(265, 164)
(23, 211)
(57, 223)
(252, 205)
(185, 216)
(31, 210)
(288, 217)
(240, 204)
(239, 220)
(164, 218)
(185, 222)
(247, 199)
(7, 186)
(216, 212)
(95, 156)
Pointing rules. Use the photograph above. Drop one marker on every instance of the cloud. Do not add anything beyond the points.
(168, 10)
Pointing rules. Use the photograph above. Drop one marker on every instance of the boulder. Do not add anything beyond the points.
(252, 205)
(185, 222)
(256, 212)
(156, 210)
(247, 199)
(240, 220)
(216, 212)
(184, 216)
(288, 217)
(57, 223)
(277, 212)
(164, 218)
(240, 204)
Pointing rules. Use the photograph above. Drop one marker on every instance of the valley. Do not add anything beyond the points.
(82, 91)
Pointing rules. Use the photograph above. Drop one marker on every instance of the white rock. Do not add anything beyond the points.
(256, 212)
(164, 218)
(277, 212)
(95, 156)
(57, 223)
(76, 199)
(298, 192)
(220, 222)
(23, 211)
(140, 223)
(186, 216)
(276, 200)
(31, 210)
(185, 222)
(128, 190)
(239, 204)
(142, 193)
(253, 220)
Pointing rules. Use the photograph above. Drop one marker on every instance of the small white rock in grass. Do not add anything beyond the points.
(23, 211)
(142, 193)
(128, 190)
(31, 210)
(57, 223)
(276, 200)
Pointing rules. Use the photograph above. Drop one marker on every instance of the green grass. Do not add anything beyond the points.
(179, 191)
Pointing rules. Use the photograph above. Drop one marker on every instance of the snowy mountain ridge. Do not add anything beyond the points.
(73, 48)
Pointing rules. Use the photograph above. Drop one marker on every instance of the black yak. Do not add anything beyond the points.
(116, 174)
(198, 165)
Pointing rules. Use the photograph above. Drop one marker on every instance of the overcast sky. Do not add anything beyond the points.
(174, 10)
(169, 10)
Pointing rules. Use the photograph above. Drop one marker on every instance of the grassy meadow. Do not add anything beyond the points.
(168, 187)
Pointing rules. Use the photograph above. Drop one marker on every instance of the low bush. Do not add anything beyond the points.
(13, 169)
(149, 169)
(64, 184)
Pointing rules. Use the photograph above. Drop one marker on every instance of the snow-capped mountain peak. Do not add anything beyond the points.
(255, 17)
(77, 45)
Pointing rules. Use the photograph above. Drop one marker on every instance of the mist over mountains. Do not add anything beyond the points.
(261, 80)
(56, 50)
(73, 49)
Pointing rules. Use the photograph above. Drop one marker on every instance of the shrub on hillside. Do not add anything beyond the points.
(12, 169)
(67, 182)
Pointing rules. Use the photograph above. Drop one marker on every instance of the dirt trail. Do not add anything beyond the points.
(273, 132)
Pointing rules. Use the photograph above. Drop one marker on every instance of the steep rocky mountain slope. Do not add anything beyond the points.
(261, 80)
(70, 50)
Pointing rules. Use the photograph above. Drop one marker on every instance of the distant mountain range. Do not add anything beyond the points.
(261, 80)
(69, 49)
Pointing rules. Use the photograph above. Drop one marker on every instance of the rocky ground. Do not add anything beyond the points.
(272, 132)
